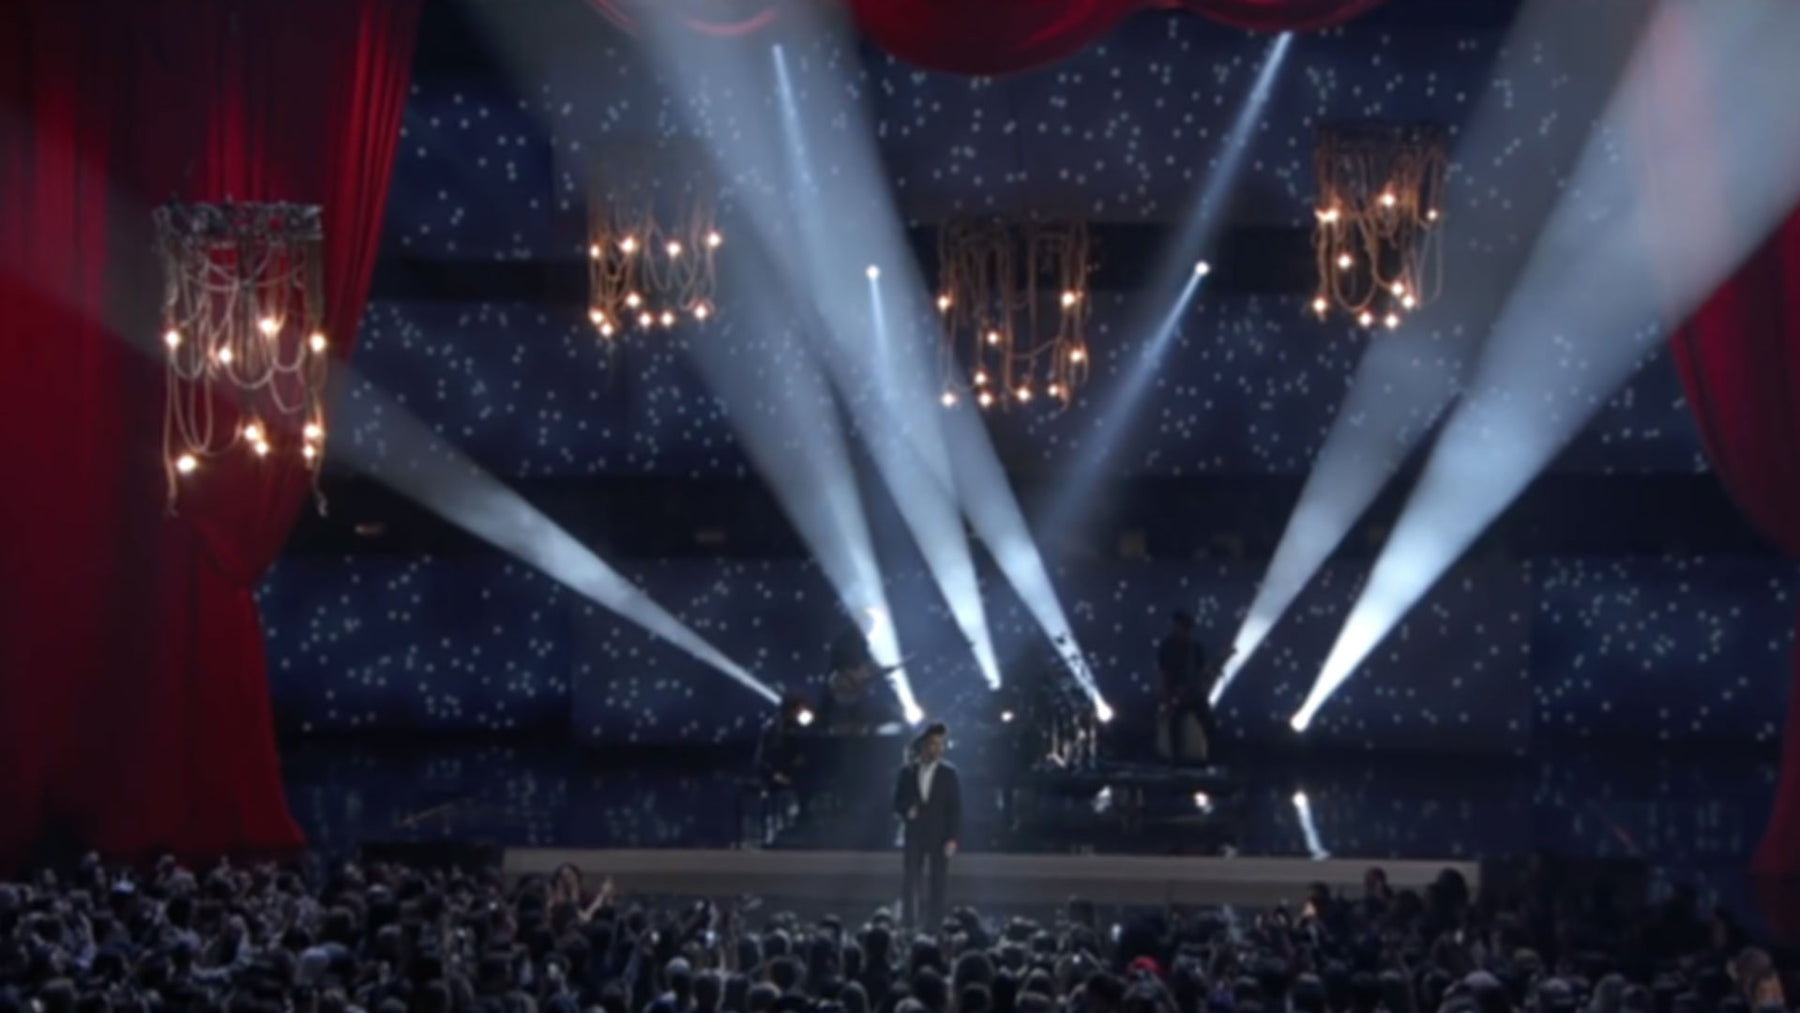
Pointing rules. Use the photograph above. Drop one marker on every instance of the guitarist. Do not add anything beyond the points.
(851, 699)
(1184, 681)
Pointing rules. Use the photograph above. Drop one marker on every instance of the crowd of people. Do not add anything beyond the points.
(382, 938)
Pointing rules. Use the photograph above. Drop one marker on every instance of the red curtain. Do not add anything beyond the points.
(992, 37)
(1739, 358)
(133, 692)
(1005, 36)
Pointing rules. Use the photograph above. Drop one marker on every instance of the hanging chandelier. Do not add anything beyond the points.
(652, 250)
(243, 314)
(1014, 307)
(1377, 240)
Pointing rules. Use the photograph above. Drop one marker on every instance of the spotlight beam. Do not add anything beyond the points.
(1068, 511)
(1407, 378)
(1615, 264)
(952, 447)
(462, 493)
(890, 370)
(792, 432)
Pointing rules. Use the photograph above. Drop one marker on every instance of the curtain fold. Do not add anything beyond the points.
(1739, 359)
(139, 680)
(996, 37)
(1007, 36)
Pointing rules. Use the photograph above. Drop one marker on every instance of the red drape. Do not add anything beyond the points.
(1739, 358)
(133, 692)
(993, 37)
(1005, 36)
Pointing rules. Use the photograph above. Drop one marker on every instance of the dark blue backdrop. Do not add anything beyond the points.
(1501, 655)
(494, 171)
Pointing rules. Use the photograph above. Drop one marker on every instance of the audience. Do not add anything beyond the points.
(391, 939)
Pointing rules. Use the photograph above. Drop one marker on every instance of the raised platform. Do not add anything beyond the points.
(873, 877)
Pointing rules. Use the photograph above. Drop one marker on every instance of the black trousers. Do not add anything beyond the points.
(924, 881)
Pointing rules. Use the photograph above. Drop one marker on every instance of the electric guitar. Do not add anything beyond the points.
(1202, 690)
(849, 685)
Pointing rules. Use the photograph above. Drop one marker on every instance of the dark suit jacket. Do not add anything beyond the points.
(940, 816)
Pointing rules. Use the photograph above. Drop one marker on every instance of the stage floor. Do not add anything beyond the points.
(985, 880)
(1262, 833)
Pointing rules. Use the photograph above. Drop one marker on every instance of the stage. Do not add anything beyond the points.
(984, 879)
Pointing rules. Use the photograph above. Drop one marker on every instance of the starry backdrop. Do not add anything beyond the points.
(492, 171)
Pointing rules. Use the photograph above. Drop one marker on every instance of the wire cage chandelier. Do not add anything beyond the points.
(652, 250)
(1377, 240)
(243, 313)
(1013, 303)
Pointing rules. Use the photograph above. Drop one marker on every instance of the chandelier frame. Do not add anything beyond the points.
(243, 316)
(1377, 242)
(1013, 307)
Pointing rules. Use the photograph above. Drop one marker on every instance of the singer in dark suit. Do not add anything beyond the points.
(928, 798)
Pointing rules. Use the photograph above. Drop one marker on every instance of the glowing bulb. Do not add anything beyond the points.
(805, 717)
(645, 320)
(1069, 298)
(1328, 215)
(225, 355)
(1432, 215)
(172, 339)
(1366, 318)
(253, 433)
(186, 464)
(673, 249)
(943, 302)
(701, 312)
(1320, 305)
(309, 451)
(1408, 301)
(1299, 800)
(1077, 355)
(1345, 260)
(268, 325)
(312, 431)
(873, 272)
(1023, 393)
(986, 399)
(261, 448)
(1392, 321)
(1398, 289)
(316, 342)
(713, 239)
(1006, 717)
(606, 330)
(594, 252)
(980, 376)
(1388, 199)
(913, 714)
(628, 244)
(1056, 390)
(1102, 711)
(1202, 269)
(633, 300)
(949, 399)
(597, 317)
(1202, 800)
(668, 319)
(993, 337)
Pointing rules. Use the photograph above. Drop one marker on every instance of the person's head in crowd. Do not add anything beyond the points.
(930, 989)
(974, 998)
(763, 996)
(973, 967)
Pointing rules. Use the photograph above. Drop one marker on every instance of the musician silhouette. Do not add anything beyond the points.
(853, 700)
